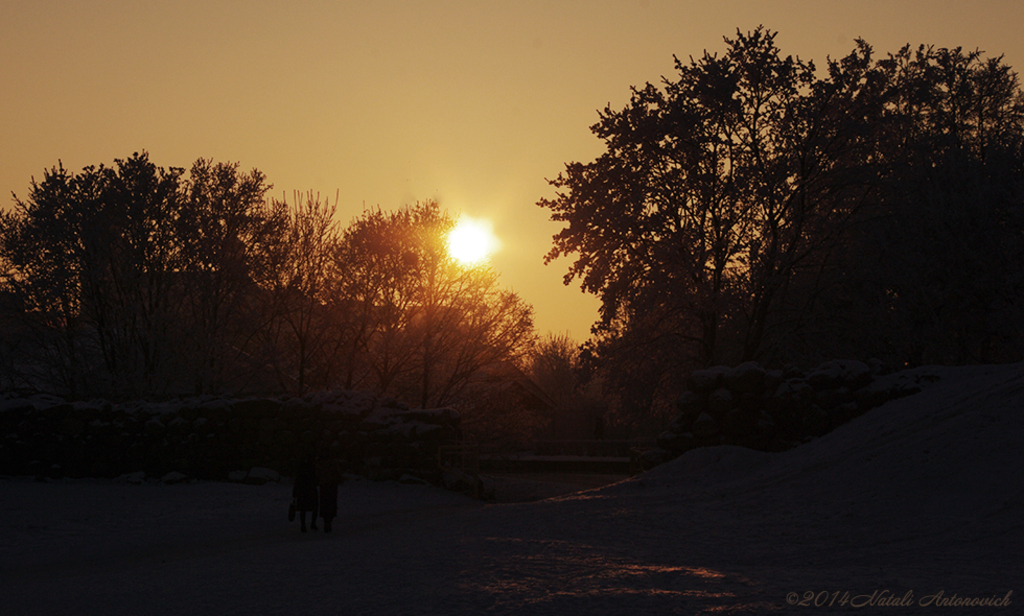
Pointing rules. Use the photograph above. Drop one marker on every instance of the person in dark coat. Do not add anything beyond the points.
(305, 492)
(329, 474)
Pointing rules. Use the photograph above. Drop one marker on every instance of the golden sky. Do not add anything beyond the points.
(469, 102)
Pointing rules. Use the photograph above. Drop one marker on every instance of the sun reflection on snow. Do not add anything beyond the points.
(704, 572)
(538, 571)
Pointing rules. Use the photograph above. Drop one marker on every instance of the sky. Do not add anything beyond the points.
(473, 103)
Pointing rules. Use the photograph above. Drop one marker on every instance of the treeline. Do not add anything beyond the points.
(754, 207)
(140, 281)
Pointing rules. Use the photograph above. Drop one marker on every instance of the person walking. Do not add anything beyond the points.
(329, 475)
(305, 492)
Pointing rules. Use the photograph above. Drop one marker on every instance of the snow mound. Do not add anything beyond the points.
(941, 460)
(708, 465)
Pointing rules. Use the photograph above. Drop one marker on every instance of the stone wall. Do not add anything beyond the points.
(775, 410)
(209, 437)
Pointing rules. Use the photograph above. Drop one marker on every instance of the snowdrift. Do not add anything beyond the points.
(955, 449)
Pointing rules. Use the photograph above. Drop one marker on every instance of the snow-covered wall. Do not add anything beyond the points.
(209, 437)
(775, 410)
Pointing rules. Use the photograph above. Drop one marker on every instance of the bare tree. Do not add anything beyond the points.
(300, 290)
(429, 324)
(230, 238)
(94, 256)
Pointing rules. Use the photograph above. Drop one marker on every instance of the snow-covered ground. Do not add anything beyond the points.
(920, 496)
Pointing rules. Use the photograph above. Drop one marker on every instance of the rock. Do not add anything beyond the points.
(826, 376)
(174, 477)
(201, 425)
(400, 431)
(457, 481)
(136, 478)
(361, 403)
(793, 393)
(379, 419)
(215, 410)
(46, 401)
(690, 405)
(16, 405)
(750, 402)
(681, 423)
(412, 480)
(791, 371)
(256, 407)
(851, 373)
(747, 377)
(93, 407)
(831, 398)
(392, 403)
(259, 475)
(886, 388)
(429, 432)
(338, 396)
(816, 421)
(154, 427)
(440, 417)
(786, 418)
(923, 374)
(678, 442)
(731, 422)
(189, 410)
(844, 413)
(856, 374)
(341, 410)
(297, 408)
(179, 426)
(654, 457)
(878, 367)
(71, 426)
(287, 438)
(701, 381)
(704, 426)
(719, 402)
(772, 380)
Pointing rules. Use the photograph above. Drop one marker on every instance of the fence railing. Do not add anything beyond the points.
(591, 448)
(571, 455)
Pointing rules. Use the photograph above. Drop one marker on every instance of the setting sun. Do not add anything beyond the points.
(471, 241)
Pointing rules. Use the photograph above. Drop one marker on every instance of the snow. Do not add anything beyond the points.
(921, 495)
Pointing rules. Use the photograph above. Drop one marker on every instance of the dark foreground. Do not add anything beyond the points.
(919, 500)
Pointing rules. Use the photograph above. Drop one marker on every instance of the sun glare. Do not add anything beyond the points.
(471, 241)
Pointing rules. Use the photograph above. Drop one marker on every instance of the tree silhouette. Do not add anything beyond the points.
(428, 324)
(142, 281)
(93, 254)
(303, 275)
(740, 209)
(553, 366)
(712, 193)
(141, 269)
(930, 277)
(230, 236)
